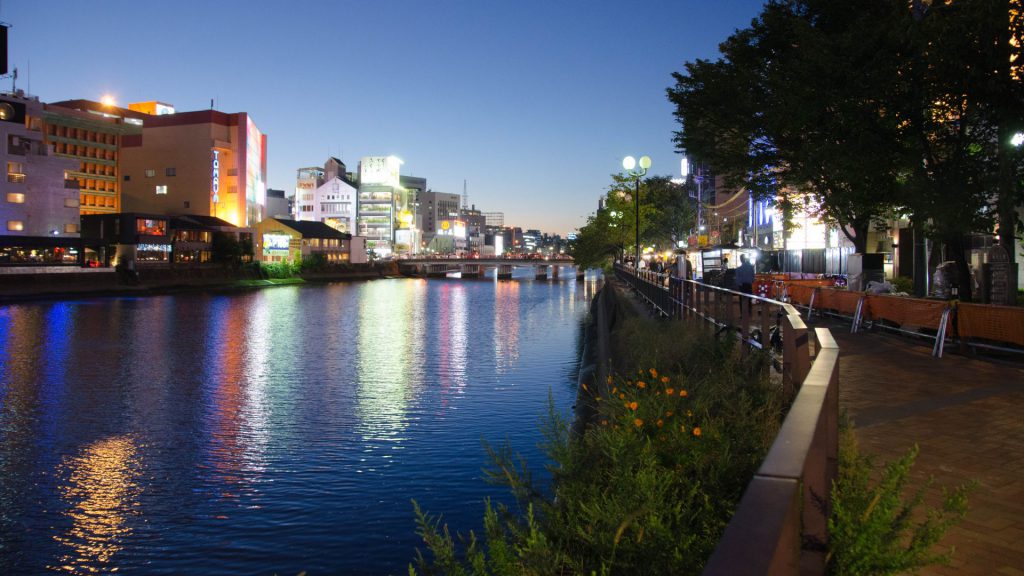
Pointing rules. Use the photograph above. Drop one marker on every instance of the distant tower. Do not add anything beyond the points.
(465, 196)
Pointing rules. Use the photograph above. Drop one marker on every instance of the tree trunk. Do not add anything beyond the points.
(920, 260)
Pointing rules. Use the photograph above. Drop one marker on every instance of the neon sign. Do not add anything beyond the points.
(216, 175)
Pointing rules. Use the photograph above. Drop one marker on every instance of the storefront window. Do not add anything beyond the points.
(151, 227)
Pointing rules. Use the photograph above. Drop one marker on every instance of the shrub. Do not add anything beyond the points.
(903, 284)
(873, 529)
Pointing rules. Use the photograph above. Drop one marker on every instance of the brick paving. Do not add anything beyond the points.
(967, 417)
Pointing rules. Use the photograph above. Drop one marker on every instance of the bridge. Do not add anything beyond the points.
(475, 267)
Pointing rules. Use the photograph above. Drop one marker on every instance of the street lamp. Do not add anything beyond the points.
(637, 172)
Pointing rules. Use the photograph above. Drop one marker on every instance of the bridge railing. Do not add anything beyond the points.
(780, 525)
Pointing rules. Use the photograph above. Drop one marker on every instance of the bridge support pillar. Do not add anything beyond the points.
(504, 272)
(437, 270)
(541, 272)
(579, 273)
(470, 270)
(554, 272)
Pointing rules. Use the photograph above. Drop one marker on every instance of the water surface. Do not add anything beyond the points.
(277, 430)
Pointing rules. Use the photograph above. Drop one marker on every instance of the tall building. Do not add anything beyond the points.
(384, 214)
(207, 163)
(436, 208)
(92, 134)
(278, 205)
(495, 218)
(39, 206)
(327, 195)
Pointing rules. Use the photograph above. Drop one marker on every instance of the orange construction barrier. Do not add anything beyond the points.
(998, 323)
(842, 301)
(799, 293)
(906, 311)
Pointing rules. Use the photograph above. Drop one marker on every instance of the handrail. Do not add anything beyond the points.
(784, 508)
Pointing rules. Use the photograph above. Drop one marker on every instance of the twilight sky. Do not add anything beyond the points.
(534, 103)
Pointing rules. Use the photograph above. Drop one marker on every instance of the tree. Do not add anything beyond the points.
(673, 213)
(225, 248)
(794, 109)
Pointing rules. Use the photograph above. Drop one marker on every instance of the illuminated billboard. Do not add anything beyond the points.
(456, 228)
(255, 187)
(382, 170)
(275, 242)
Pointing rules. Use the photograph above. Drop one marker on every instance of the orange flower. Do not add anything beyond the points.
(661, 423)
(584, 386)
(664, 379)
(670, 391)
(633, 406)
(654, 373)
(641, 384)
(683, 393)
(615, 389)
(604, 422)
(696, 431)
(689, 414)
(609, 378)
(638, 422)
(668, 414)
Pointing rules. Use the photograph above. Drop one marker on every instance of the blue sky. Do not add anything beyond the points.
(533, 103)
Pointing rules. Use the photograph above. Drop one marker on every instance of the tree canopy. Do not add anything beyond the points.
(870, 110)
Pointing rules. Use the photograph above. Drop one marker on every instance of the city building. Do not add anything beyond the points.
(327, 195)
(495, 218)
(384, 213)
(39, 206)
(92, 134)
(280, 240)
(131, 238)
(278, 204)
(206, 162)
(435, 208)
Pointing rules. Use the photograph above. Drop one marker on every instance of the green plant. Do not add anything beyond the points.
(903, 284)
(873, 528)
(650, 485)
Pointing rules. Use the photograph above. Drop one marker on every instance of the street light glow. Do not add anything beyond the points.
(1017, 139)
(629, 162)
(645, 162)
(108, 100)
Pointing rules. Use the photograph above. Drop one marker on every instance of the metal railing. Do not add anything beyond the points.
(780, 525)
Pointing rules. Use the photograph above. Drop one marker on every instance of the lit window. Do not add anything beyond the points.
(71, 228)
(161, 189)
(71, 203)
(15, 172)
(150, 172)
(15, 197)
(15, 225)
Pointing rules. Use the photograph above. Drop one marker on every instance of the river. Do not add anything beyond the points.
(273, 431)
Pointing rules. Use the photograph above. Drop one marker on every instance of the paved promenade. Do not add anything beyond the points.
(966, 415)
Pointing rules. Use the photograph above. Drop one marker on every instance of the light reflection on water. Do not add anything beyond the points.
(274, 431)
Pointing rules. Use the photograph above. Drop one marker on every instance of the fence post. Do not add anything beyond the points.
(796, 356)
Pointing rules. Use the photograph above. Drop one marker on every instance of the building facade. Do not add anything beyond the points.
(327, 195)
(39, 205)
(384, 216)
(91, 134)
(207, 163)
(280, 240)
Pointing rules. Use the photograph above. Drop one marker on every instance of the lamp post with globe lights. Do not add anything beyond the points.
(637, 170)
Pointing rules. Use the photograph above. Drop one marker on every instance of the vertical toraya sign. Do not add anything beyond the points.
(216, 176)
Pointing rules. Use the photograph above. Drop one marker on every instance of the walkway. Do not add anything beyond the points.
(966, 415)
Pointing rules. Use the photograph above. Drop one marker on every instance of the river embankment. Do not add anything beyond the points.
(52, 282)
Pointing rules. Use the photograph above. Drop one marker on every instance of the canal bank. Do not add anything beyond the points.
(26, 284)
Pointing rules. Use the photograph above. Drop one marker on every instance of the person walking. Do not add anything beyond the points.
(745, 275)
